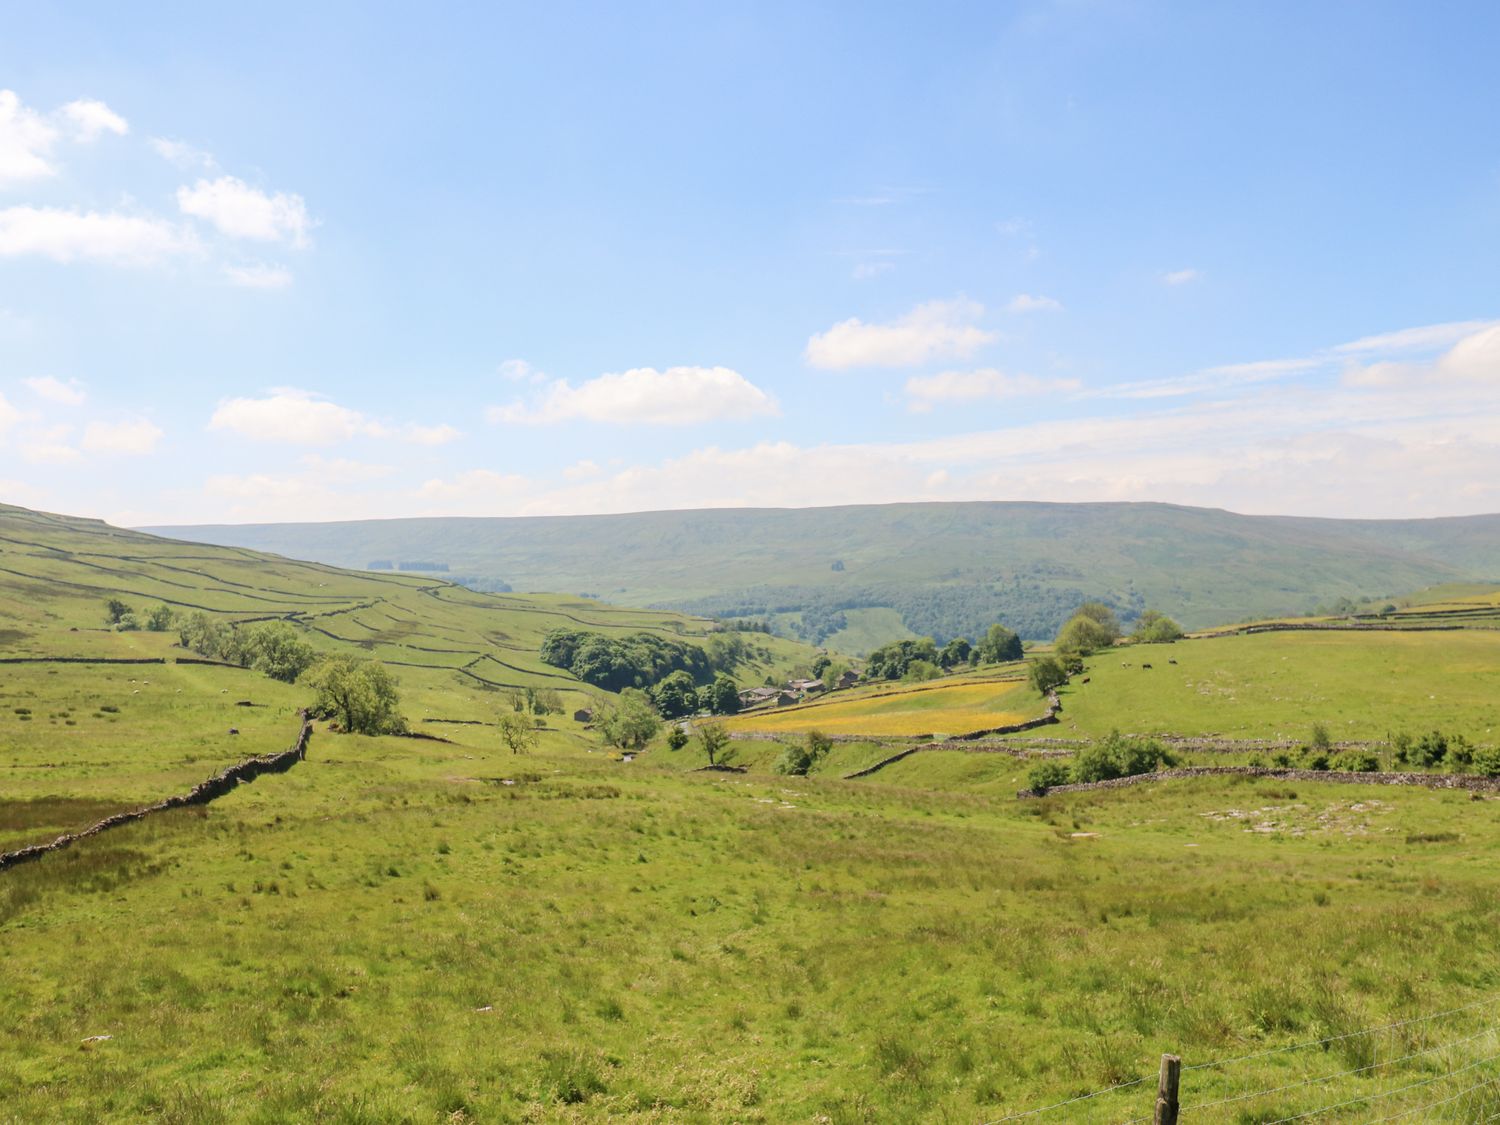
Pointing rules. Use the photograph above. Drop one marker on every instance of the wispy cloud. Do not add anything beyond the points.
(109, 237)
(923, 392)
(1181, 277)
(1025, 303)
(55, 390)
(644, 396)
(934, 330)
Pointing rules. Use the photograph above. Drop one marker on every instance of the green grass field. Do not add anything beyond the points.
(1362, 686)
(960, 706)
(402, 929)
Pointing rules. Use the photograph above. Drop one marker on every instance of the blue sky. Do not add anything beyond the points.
(270, 263)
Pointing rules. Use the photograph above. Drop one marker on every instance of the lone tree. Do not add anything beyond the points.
(517, 732)
(1093, 626)
(1156, 628)
(631, 722)
(715, 742)
(359, 693)
(1047, 673)
(114, 611)
(1000, 645)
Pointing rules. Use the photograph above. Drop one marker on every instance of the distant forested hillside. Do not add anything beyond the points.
(945, 569)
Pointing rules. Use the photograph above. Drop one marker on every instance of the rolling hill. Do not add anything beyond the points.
(450, 647)
(937, 568)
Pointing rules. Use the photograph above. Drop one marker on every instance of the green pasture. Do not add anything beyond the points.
(392, 932)
(1360, 685)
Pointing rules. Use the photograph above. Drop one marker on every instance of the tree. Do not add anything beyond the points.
(999, 645)
(159, 620)
(723, 696)
(1047, 674)
(1156, 628)
(517, 732)
(630, 722)
(1084, 634)
(675, 696)
(919, 671)
(715, 742)
(359, 693)
(277, 651)
(955, 652)
(114, 610)
(798, 758)
(677, 738)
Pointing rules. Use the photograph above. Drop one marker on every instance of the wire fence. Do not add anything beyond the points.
(1443, 1066)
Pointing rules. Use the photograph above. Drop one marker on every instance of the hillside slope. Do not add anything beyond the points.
(450, 647)
(944, 568)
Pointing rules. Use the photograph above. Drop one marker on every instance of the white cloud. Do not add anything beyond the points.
(55, 390)
(1426, 338)
(110, 237)
(429, 435)
(925, 391)
(241, 211)
(1210, 379)
(643, 395)
(475, 492)
(582, 470)
(259, 276)
(9, 415)
(1475, 358)
(866, 271)
(1025, 302)
(183, 154)
(131, 437)
(1181, 277)
(519, 371)
(934, 330)
(289, 416)
(50, 447)
(89, 119)
(26, 141)
(293, 417)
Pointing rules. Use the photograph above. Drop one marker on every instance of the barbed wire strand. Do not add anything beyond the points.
(1341, 1074)
(1347, 1035)
(1070, 1101)
(1443, 1101)
(1383, 1093)
(1254, 1055)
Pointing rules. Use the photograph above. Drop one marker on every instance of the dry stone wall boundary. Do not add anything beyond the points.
(211, 789)
(1471, 782)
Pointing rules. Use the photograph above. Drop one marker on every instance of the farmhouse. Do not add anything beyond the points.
(754, 697)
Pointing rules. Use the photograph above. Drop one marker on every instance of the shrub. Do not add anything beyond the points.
(1460, 753)
(1047, 673)
(1314, 759)
(1357, 761)
(1430, 749)
(677, 738)
(1486, 761)
(1044, 775)
(798, 758)
(1117, 756)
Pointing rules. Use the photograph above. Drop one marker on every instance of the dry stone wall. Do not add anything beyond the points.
(1470, 782)
(213, 788)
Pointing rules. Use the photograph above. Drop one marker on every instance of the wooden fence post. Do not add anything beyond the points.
(1166, 1090)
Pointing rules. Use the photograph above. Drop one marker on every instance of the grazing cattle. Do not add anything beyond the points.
(1171, 662)
(1145, 667)
(1086, 679)
(234, 730)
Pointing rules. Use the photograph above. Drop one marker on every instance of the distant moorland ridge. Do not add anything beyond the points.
(857, 576)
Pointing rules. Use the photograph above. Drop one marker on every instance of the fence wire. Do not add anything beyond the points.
(1418, 1069)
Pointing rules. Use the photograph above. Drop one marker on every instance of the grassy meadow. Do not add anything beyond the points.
(955, 707)
(1360, 685)
(405, 929)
